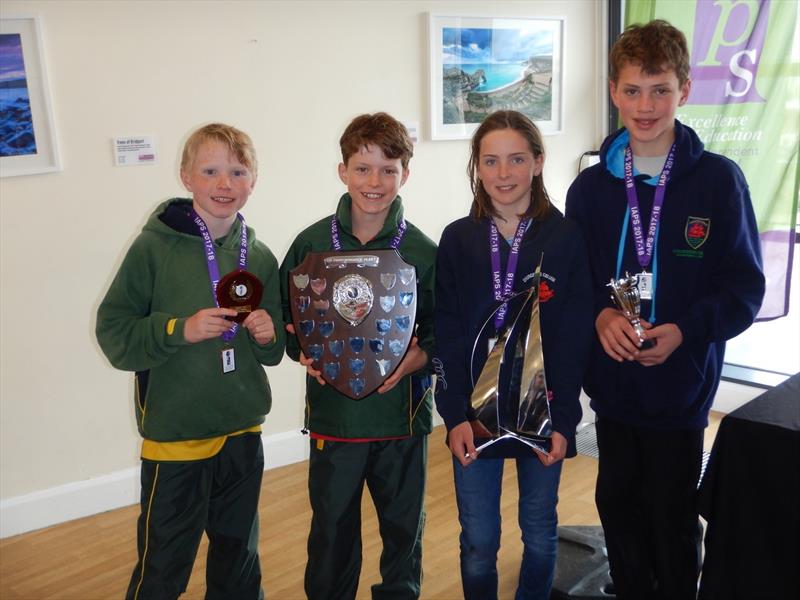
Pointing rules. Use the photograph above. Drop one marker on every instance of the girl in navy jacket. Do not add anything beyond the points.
(476, 271)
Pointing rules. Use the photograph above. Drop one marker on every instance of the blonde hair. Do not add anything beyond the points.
(237, 141)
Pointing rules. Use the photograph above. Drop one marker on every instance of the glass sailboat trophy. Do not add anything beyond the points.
(509, 397)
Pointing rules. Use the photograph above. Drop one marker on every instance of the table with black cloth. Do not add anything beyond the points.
(750, 496)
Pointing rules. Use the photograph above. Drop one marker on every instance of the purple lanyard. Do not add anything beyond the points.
(502, 288)
(336, 243)
(213, 266)
(644, 248)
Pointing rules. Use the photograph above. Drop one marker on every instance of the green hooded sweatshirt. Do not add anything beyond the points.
(181, 391)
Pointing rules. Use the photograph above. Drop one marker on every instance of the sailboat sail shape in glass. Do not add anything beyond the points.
(510, 396)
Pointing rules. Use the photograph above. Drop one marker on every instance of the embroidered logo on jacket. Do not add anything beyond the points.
(545, 290)
(696, 232)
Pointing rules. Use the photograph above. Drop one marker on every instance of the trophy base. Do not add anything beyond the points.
(535, 444)
(241, 313)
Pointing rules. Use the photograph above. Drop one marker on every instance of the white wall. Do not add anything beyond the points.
(291, 74)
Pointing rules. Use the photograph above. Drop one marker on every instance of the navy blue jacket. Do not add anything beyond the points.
(709, 278)
(465, 299)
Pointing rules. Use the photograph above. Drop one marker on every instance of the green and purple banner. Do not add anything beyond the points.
(745, 104)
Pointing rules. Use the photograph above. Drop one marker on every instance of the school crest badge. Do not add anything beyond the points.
(545, 292)
(354, 315)
(696, 232)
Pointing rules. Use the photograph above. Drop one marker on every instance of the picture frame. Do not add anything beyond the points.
(480, 64)
(28, 143)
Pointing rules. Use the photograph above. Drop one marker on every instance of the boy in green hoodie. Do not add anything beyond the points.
(201, 390)
(382, 438)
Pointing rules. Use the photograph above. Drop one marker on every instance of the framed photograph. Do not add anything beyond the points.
(27, 134)
(482, 64)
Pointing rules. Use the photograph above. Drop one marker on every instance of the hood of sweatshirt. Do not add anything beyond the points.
(689, 150)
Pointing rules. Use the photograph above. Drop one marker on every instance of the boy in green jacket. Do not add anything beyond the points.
(201, 390)
(382, 438)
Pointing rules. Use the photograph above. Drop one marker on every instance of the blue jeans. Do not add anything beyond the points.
(478, 489)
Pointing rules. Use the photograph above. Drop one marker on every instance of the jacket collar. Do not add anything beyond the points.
(688, 150)
(344, 215)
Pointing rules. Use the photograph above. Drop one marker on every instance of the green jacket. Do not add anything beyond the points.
(181, 392)
(395, 413)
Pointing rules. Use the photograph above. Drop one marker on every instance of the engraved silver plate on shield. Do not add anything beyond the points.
(353, 297)
(363, 260)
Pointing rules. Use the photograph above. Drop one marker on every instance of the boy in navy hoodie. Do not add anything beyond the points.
(661, 207)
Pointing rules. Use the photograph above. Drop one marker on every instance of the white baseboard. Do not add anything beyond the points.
(286, 448)
(44, 508)
(69, 501)
(731, 396)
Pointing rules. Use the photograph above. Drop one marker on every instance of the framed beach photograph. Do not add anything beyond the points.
(482, 64)
(27, 135)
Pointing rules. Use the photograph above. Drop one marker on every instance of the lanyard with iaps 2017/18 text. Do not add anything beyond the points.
(503, 290)
(227, 354)
(213, 267)
(228, 360)
(645, 248)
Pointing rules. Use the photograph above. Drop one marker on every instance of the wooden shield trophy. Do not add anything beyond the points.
(353, 314)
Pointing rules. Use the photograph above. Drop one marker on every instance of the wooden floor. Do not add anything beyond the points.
(92, 558)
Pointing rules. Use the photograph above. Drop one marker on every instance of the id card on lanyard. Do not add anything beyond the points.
(227, 355)
(645, 245)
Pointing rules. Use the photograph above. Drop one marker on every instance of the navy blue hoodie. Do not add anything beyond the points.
(709, 278)
(465, 299)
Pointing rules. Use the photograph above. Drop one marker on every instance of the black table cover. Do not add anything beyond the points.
(750, 496)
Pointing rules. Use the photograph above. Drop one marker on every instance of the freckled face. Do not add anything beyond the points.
(219, 183)
(647, 106)
(373, 181)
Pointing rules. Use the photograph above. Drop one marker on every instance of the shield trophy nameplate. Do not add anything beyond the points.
(510, 397)
(353, 314)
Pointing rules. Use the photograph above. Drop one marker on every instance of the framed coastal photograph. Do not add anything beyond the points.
(27, 135)
(482, 64)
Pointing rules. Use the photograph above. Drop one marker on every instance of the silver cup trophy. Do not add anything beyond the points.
(625, 294)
